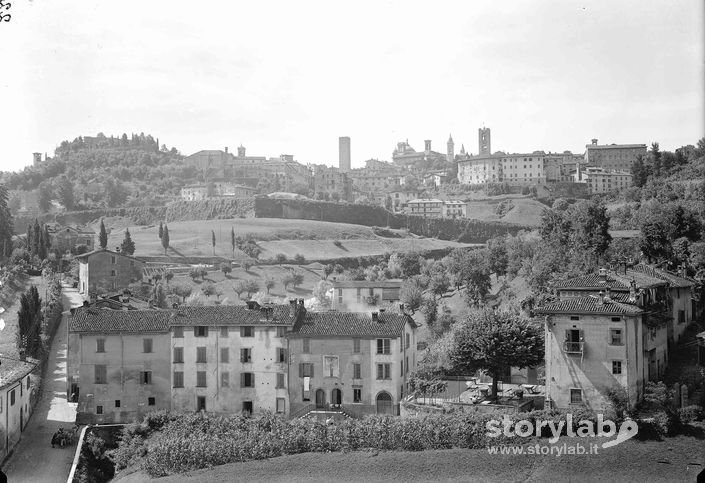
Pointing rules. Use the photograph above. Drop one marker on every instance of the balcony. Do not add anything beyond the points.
(570, 347)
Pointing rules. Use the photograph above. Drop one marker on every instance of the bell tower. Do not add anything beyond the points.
(484, 144)
(450, 152)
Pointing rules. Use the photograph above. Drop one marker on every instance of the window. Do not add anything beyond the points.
(357, 371)
(306, 369)
(384, 371)
(12, 398)
(201, 354)
(681, 316)
(245, 355)
(200, 403)
(407, 364)
(616, 337)
(223, 331)
(359, 294)
(201, 379)
(224, 355)
(112, 260)
(178, 355)
(281, 405)
(146, 345)
(117, 403)
(178, 332)
(357, 394)
(616, 319)
(383, 346)
(281, 354)
(28, 382)
(330, 366)
(99, 409)
(113, 273)
(100, 345)
(576, 396)
(281, 331)
(616, 367)
(408, 340)
(307, 346)
(247, 331)
(280, 380)
(146, 377)
(151, 401)
(402, 369)
(200, 331)
(356, 346)
(101, 376)
(225, 379)
(340, 295)
(247, 379)
(178, 379)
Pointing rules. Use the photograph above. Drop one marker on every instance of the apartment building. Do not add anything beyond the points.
(103, 271)
(613, 157)
(600, 180)
(360, 295)
(435, 208)
(612, 329)
(500, 167)
(354, 361)
(15, 400)
(118, 368)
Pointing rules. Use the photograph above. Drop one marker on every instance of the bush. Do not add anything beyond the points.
(299, 258)
(689, 414)
(338, 243)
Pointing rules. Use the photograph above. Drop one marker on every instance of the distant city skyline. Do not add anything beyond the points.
(292, 78)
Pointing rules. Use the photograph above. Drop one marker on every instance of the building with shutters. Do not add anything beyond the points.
(357, 363)
(612, 329)
(363, 295)
(15, 400)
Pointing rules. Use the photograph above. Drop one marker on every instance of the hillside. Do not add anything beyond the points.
(313, 239)
(525, 211)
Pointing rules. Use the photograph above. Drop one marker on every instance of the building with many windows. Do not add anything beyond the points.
(500, 167)
(600, 180)
(435, 208)
(362, 295)
(357, 362)
(103, 271)
(613, 157)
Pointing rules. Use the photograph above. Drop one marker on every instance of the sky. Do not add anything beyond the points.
(283, 77)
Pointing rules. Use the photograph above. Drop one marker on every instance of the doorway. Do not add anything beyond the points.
(384, 404)
(320, 398)
(336, 397)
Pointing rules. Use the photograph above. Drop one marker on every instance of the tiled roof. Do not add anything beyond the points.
(88, 254)
(12, 370)
(366, 284)
(673, 279)
(107, 320)
(592, 281)
(351, 324)
(232, 315)
(588, 305)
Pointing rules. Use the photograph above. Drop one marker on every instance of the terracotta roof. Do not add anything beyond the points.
(366, 284)
(350, 324)
(673, 279)
(107, 320)
(12, 370)
(232, 315)
(588, 305)
(99, 250)
(592, 281)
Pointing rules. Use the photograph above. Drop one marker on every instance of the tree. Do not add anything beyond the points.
(103, 236)
(269, 284)
(439, 284)
(655, 159)
(239, 288)
(590, 228)
(29, 321)
(498, 260)
(327, 270)
(287, 280)
(115, 193)
(251, 286)
(233, 241)
(411, 295)
(64, 192)
(226, 268)
(280, 258)
(168, 275)
(159, 296)
(127, 246)
(213, 241)
(246, 265)
(181, 289)
(165, 238)
(494, 342)
(297, 279)
(208, 289)
(299, 259)
(45, 196)
(161, 230)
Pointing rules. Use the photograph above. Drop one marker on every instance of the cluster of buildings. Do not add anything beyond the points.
(613, 329)
(231, 359)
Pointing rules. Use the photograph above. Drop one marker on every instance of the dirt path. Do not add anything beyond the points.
(34, 460)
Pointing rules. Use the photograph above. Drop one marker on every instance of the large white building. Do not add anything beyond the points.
(514, 169)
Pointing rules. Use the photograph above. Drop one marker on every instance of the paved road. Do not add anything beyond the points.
(34, 460)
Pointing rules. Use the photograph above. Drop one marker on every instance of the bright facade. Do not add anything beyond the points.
(103, 271)
(363, 295)
(15, 401)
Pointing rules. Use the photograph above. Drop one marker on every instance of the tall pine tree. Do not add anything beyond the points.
(213, 240)
(165, 239)
(127, 246)
(103, 237)
(161, 230)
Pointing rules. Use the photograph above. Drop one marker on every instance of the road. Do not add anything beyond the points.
(34, 460)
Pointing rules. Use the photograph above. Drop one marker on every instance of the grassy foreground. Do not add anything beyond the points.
(674, 459)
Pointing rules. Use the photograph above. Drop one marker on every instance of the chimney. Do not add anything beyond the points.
(594, 141)
(607, 295)
(375, 317)
(23, 355)
(603, 275)
(292, 307)
(601, 298)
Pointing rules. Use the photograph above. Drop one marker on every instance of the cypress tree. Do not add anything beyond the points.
(127, 246)
(36, 237)
(165, 238)
(103, 237)
(213, 240)
(161, 230)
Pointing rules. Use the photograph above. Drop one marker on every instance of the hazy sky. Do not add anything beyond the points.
(292, 76)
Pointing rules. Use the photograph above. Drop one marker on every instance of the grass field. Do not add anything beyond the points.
(675, 459)
(313, 239)
(526, 211)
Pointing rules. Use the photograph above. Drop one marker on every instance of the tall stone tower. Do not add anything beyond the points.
(344, 154)
(450, 152)
(427, 147)
(36, 158)
(484, 144)
(241, 151)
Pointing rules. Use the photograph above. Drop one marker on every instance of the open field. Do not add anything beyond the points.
(675, 459)
(313, 239)
(526, 211)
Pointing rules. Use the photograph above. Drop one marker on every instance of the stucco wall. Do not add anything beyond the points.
(125, 361)
(593, 372)
(96, 272)
(681, 298)
(13, 417)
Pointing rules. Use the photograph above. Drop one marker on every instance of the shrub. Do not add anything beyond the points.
(226, 268)
(299, 258)
(689, 414)
(338, 243)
